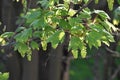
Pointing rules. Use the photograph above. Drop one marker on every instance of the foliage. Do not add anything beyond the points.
(4, 76)
(51, 21)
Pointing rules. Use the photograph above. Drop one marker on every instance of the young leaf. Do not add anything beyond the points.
(75, 53)
(71, 12)
(110, 4)
(44, 45)
(29, 55)
(83, 52)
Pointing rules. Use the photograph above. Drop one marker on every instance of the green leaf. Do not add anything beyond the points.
(34, 45)
(75, 22)
(85, 15)
(71, 12)
(37, 34)
(35, 24)
(20, 29)
(22, 48)
(111, 26)
(52, 2)
(96, 1)
(61, 35)
(4, 76)
(61, 12)
(108, 36)
(56, 38)
(64, 24)
(7, 34)
(93, 39)
(32, 15)
(50, 22)
(24, 35)
(44, 3)
(18, 37)
(102, 14)
(86, 1)
(106, 43)
(75, 43)
(118, 2)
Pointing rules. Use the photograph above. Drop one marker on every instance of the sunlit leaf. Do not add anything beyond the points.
(83, 52)
(29, 56)
(44, 45)
(71, 12)
(110, 4)
(102, 14)
(56, 38)
(75, 53)
(85, 1)
(4, 76)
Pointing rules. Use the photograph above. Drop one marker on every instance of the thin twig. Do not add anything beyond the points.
(80, 9)
(114, 53)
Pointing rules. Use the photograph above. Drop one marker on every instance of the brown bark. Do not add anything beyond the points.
(31, 68)
(109, 62)
(14, 68)
(8, 15)
(55, 63)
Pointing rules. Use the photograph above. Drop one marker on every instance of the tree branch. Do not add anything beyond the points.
(80, 9)
(114, 53)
